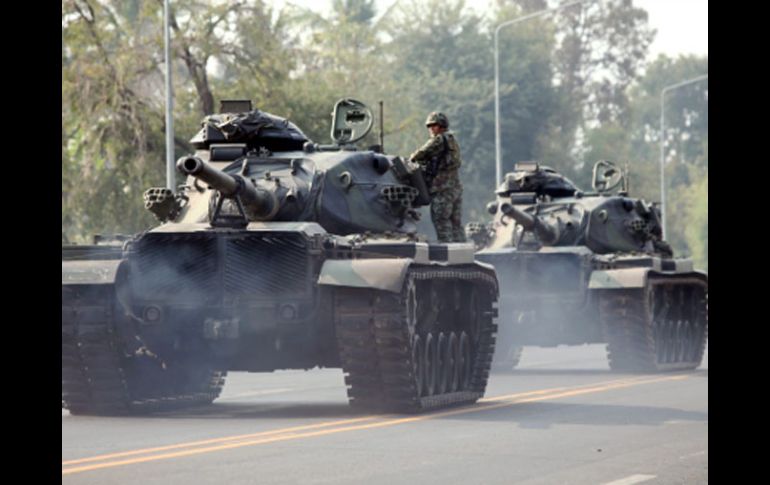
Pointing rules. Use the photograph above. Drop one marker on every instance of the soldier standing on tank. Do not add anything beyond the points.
(440, 161)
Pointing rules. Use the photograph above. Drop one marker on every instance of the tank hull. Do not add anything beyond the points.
(651, 312)
(158, 325)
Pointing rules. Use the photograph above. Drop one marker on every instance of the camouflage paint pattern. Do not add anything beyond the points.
(89, 272)
(446, 214)
(381, 274)
(618, 278)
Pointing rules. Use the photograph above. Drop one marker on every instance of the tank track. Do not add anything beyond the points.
(377, 347)
(663, 327)
(99, 378)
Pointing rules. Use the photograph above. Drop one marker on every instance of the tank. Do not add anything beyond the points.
(590, 267)
(278, 253)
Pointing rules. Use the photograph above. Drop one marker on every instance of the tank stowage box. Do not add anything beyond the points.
(577, 268)
(278, 253)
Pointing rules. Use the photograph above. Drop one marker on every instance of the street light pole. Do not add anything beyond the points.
(498, 158)
(170, 168)
(663, 142)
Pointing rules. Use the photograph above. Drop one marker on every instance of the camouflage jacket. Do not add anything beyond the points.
(448, 176)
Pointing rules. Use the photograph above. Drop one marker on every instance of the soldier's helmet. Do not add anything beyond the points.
(436, 118)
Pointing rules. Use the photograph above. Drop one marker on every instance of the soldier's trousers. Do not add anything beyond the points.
(446, 214)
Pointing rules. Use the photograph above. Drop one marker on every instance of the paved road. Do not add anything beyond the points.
(561, 418)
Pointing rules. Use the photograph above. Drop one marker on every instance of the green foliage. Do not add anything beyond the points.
(572, 91)
(110, 132)
(685, 149)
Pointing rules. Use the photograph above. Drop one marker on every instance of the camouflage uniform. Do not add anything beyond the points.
(446, 190)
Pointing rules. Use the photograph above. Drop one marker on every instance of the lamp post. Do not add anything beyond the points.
(498, 159)
(663, 142)
(170, 168)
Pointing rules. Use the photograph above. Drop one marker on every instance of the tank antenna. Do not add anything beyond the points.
(626, 180)
(382, 129)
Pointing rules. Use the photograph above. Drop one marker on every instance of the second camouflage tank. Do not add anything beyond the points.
(578, 268)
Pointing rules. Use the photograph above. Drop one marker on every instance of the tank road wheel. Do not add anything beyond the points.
(418, 356)
(453, 354)
(417, 349)
(430, 365)
(658, 328)
(465, 364)
(442, 351)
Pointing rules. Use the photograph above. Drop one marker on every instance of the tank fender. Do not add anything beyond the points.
(379, 273)
(610, 279)
(618, 278)
(89, 272)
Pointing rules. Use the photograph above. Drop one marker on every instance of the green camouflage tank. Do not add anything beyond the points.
(278, 253)
(590, 267)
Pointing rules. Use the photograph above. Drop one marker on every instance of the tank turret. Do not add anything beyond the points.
(538, 206)
(259, 203)
(587, 267)
(545, 233)
(257, 167)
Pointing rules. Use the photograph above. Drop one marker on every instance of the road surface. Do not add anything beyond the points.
(561, 418)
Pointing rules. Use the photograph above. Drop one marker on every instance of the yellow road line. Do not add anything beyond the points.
(215, 440)
(295, 433)
(556, 389)
(297, 428)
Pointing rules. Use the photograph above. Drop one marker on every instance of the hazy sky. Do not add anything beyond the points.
(682, 25)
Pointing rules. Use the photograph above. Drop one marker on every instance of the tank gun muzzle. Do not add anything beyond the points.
(546, 233)
(260, 203)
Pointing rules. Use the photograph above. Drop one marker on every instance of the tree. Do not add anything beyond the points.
(685, 149)
(445, 62)
(109, 130)
(112, 95)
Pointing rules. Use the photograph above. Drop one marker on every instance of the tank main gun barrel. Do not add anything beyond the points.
(546, 233)
(226, 184)
(260, 203)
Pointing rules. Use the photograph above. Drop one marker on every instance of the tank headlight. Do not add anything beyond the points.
(288, 312)
(152, 314)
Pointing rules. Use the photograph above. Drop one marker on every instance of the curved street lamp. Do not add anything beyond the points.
(663, 142)
(498, 160)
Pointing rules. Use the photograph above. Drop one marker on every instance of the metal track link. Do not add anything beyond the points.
(96, 378)
(375, 346)
(92, 377)
(642, 338)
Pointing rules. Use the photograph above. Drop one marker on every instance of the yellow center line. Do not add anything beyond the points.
(217, 440)
(297, 428)
(296, 432)
(556, 389)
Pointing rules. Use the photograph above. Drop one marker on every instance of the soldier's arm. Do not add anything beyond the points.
(431, 148)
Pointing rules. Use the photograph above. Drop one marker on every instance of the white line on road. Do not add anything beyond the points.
(631, 480)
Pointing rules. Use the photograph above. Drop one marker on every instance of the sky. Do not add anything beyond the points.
(682, 25)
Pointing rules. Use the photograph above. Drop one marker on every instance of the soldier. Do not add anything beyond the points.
(440, 161)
